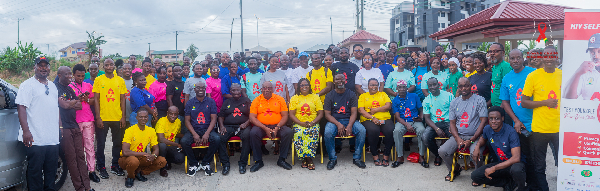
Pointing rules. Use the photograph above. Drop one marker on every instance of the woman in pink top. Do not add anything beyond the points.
(159, 90)
(85, 117)
(214, 86)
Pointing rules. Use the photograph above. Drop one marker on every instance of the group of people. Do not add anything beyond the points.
(480, 102)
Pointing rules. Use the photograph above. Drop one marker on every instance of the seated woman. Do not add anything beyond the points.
(374, 107)
(234, 120)
(139, 97)
(306, 122)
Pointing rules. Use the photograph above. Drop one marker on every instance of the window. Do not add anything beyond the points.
(173, 56)
(72, 52)
(443, 25)
(443, 3)
(482, 7)
(443, 14)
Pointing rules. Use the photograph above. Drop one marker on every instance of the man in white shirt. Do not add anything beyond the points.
(585, 83)
(300, 72)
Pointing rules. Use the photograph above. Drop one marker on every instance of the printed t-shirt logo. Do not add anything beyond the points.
(438, 114)
(305, 109)
(278, 86)
(420, 78)
(171, 136)
(501, 154)
(140, 148)
(127, 95)
(407, 113)
(201, 118)
(493, 86)
(342, 110)
(596, 95)
(375, 104)
(474, 89)
(181, 97)
(519, 94)
(268, 112)
(441, 85)
(591, 81)
(110, 95)
(464, 120)
(237, 112)
(552, 95)
(255, 88)
(317, 86)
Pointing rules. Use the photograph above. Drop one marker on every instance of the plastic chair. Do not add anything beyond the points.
(395, 150)
(391, 152)
(465, 154)
(236, 139)
(321, 148)
(436, 138)
(194, 146)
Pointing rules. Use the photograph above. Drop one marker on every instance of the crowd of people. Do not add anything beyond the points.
(477, 101)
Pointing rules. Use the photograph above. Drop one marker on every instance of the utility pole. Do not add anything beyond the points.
(331, 22)
(176, 54)
(362, 14)
(48, 48)
(357, 18)
(19, 30)
(242, 28)
(257, 39)
(149, 56)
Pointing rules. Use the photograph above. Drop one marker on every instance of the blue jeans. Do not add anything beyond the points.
(331, 131)
(133, 120)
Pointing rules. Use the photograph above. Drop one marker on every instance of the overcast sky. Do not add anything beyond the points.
(130, 25)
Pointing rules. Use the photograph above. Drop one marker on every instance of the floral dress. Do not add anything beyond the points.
(306, 138)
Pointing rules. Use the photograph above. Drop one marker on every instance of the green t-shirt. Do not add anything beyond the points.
(453, 81)
(252, 84)
(87, 74)
(438, 107)
(395, 76)
(442, 78)
(498, 72)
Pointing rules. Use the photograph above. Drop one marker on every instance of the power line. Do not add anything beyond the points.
(215, 17)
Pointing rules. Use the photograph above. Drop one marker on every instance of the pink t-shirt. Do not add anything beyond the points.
(85, 114)
(137, 70)
(214, 89)
(158, 90)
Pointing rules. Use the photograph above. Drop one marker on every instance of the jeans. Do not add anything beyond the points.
(285, 135)
(41, 158)
(373, 132)
(170, 153)
(358, 130)
(399, 132)
(75, 158)
(539, 146)
(429, 137)
(117, 139)
(214, 141)
(501, 177)
(133, 119)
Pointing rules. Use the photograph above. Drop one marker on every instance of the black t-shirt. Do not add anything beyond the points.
(482, 85)
(340, 104)
(67, 116)
(234, 111)
(175, 88)
(349, 70)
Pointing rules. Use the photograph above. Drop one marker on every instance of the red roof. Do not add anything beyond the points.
(508, 13)
(364, 36)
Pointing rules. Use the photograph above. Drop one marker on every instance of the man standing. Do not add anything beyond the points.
(344, 67)
(126, 68)
(147, 69)
(95, 60)
(39, 119)
(439, 51)
(72, 140)
(269, 114)
(133, 62)
(358, 54)
(335, 52)
(499, 69)
(435, 112)
(286, 66)
(224, 68)
(276, 77)
(341, 108)
(200, 120)
(544, 86)
(320, 78)
(109, 95)
(188, 87)
(300, 72)
(157, 63)
(251, 83)
(468, 115)
(175, 89)
(93, 72)
(231, 78)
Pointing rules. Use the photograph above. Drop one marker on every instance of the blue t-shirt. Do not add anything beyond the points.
(205, 76)
(226, 82)
(512, 90)
(200, 112)
(89, 81)
(502, 141)
(419, 72)
(248, 70)
(223, 71)
(385, 69)
(408, 107)
(140, 97)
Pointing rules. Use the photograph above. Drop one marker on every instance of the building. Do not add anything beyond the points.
(402, 24)
(431, 16)
(76, 51)
(166, 55)
(366, 39)
(316, 47)
(258, 49)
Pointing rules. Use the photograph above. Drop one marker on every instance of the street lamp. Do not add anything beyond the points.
(257, 29)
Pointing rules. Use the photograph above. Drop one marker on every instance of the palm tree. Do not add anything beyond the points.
(192, 52)
(92, 44)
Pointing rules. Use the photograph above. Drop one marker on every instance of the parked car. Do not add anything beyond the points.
(13, 163)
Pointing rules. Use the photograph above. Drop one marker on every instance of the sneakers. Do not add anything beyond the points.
(117, 170)
(359, 163)
(192, 170)
(102, 172)
(207, 170)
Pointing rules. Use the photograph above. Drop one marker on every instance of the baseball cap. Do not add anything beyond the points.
(594, 42)
(40, 60)
(303, 54)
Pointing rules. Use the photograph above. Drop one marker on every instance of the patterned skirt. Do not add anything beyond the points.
(306, 140)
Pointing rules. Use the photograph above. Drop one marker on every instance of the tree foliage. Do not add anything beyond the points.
(93, 43)
(484, 47)
(192, 52)
(20, 58)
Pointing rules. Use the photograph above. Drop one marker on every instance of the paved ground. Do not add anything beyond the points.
(345, 176)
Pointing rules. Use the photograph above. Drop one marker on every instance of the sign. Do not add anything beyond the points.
(579, 153)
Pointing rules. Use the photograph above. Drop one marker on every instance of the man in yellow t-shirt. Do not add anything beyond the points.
(147, 69)
(133, 158)
(167, 129)
(544, 86)
(320, 78)
(109, 99)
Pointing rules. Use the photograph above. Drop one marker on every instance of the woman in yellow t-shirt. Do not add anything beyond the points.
(306, 110)
(374, 107)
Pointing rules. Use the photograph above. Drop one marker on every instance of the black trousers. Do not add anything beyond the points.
(373, 136)
(214, 141)
(171, 153)
(501, 177)
(244, 134)
(526, 152)
(539, 146)
(430, 134)
(117, 139)
(285, 135)
(41, 158)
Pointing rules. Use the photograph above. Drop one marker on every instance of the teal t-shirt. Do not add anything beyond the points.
(395, 76)
(442, 78)
(87, 74)
(438, 106)
(252, 84)
(453, 81)
(498, 72)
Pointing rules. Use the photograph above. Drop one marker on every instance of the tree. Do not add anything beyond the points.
(484, 47)
(92, 44)
(192, 52)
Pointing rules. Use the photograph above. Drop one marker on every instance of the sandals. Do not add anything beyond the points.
(304, 164)
(438, 161)
(377, 162)
(311, 166)
(474, 184)
(424, 164)
(385, 163)
(276, 149)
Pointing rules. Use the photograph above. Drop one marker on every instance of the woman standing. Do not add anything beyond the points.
(214, 86)
(384, 62)
(400, 74)
(141, 98)
(436, 72)
(421, 69)
(170, 73)
(374, 107)
(159, 90)
(366, 73)
(306, 110)
(482, 80)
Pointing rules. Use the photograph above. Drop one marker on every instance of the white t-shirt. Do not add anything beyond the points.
(300, 73)
(129, 85)
(363, 76)
(357, 62)
(289, 76)
(42, 111)
(589, 84)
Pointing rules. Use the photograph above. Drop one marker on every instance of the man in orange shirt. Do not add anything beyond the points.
(269, 114)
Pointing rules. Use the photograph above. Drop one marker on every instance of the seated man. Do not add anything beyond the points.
(167, 129)
(435, 112)
(200, 129)
(408, 113)
(269, 113)
(342, 121)
(469, 112)
(133, 158)
(504, 140)
(234, 120)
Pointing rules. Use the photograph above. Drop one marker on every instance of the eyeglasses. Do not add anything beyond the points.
(304, 85)
(367, 60)
(358, 50)
(495, 51)
(47, 89)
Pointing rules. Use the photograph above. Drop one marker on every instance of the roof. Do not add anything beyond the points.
(508, 13)
(259, 48)
(163, 52)
(317, 47)
(74, 45)
(364, 36)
